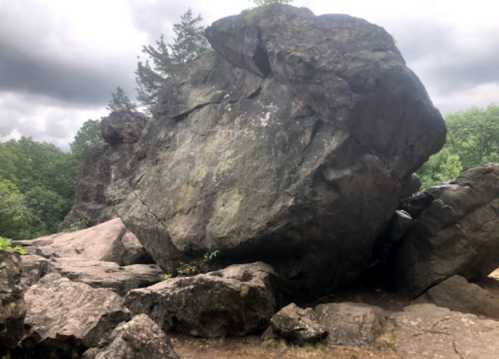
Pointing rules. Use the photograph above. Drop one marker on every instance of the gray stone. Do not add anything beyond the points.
(291, 144)
(456, 232)
(12, 306)
(425, 331)
(297, 325)
(457, 294)
(140, 338)
(123, 127)
(66, 317)
(33, 269)
(235, 301)
(352, 324)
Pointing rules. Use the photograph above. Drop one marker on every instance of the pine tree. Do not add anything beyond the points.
(120, 101)
(165, 60)
(270, 2)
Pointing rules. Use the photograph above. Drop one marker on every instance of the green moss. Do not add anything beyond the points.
(7, 246)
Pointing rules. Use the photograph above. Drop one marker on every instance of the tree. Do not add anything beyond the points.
(120, 101)
(15, 217)
(270, 2)
(88, 136)
(472, 140)
(165, 60)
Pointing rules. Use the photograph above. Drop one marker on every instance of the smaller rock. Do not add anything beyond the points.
(457, 294)
(108, 241)
(65, 317)
(110, 275)
(140, 338)
(34, 268)
(12, 306)
(351, 324)
(297, 325)
(235, 301)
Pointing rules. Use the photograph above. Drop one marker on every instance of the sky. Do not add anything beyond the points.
(61, 59)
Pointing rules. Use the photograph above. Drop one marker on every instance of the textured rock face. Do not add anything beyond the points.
(12, 306)
(109, 241)
(425, 331)
(66, 317)
(297, 325)
(291, 144)
(456, 293)
(232, 302)
(140, 338)
(456, 232)
(33, 269)
(109, 274)
(123, 127)
(352, 324)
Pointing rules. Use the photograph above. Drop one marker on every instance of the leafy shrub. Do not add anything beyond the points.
(7, 246)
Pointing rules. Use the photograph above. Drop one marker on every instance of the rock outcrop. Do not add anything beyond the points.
(12, 306)
(291, 144)
(425, 331)
(235, 301)
(34, 268)
(456, 231)
(65, 318)
(109, 241)
(140, 338)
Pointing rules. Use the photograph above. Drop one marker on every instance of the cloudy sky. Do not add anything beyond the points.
(60, 59)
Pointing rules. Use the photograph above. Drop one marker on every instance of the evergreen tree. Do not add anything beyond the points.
(270, 2)
(120, 101)
(165, 60)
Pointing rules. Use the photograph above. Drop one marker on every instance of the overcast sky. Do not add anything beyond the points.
(60, 59)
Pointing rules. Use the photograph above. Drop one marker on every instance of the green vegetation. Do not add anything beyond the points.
(195, 266)
(472, 140)
(7, 246)
(270, 2)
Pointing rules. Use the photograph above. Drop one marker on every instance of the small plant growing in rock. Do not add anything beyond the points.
(7, 246)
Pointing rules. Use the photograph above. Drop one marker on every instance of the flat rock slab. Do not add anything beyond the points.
(110, 275)
(425, 331)
(235, 301)
(140, 338)
(66, 317)
(108, 241)
(457, 294)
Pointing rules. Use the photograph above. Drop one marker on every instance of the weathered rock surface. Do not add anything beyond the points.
(123, 127)
(297, 325)
(457, 294)
(65, 317)
(425, 331)
(140, 338)
(109, 274)
(33, 269)
(352, 324)
(12, 306)
(235, 301)
(292, 144)
(109, 241)
(456, 232)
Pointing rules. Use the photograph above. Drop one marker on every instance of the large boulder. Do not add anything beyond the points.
(291, 144)
(109, 274)
(457, 294)
(12, 306)
(235, 301)
(140, 338)
(425, 331)
(34, 268)
(65, 318)
(109, 241)
(456, 231)
(123, 127)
